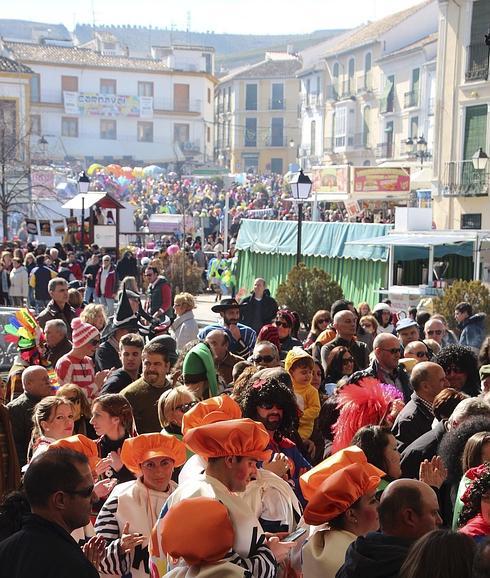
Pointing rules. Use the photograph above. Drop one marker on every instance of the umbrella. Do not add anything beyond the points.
(127, 172)
(114, 170)
(152, 171)
(93, 168)
(138, 171)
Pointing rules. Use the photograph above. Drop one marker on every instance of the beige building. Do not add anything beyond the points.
(460, 193)
(257, 109)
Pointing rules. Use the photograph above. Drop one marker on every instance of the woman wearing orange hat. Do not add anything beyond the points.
(342, 508)
(129, 514)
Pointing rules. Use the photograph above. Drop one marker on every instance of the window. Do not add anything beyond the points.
(340, 127)
(277, 166)
(8, 122)
(366, 126)
(35, 88)
(335, 80)
(208, 63)
(475, 136)
(145, 131)
(477, 67)
(308, 91)
(389, 139)
(250, 132)
(208, 134)
(181, 97)
(416, 85)
(277, 102)
(388, 99)
(367, 71)
(277, 132)
(313, 138)
(228, 133)
(181, 132)
(209, 96)
(108, 86)
(36, 124)
(229, 99)
(108, 129)
(351, 79)
(69, 127)
(251, 97)
(414, 127)
(69, 84)
(318, 83)
(145, 88)
(471, 221)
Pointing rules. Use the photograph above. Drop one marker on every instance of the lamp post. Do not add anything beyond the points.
(300, 189)
(419, 149)
(480, 160)
(83, 186)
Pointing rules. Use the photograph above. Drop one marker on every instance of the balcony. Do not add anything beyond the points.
(460, 179)
(384, 150)
(332, 92)
(276, 141)
(277, 104)
(312, 100)
(477, 65)
(387, 104)
(411, 99)
(349, 89)
(168, 105)
(364, 81)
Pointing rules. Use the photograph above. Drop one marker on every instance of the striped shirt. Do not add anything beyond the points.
(81, 372)
(244, 347)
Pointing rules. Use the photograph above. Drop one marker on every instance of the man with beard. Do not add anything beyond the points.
(143, 394)
(268, 400)
(242, 337)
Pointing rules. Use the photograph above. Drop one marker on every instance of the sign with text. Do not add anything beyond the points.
(388, 180)
(330, 179)
(112, 105)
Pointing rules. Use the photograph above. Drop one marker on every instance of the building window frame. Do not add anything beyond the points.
(145, 131)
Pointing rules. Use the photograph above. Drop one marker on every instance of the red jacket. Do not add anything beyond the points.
(110, 284)
(76, 270)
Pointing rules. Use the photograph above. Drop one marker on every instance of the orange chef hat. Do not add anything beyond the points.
(310, 481)
(339, 491)
(199, 530)
(212, 410)
(144, 447)
(234, 437)
(81, 444)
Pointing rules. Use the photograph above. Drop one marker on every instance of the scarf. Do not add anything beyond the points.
(477, 526)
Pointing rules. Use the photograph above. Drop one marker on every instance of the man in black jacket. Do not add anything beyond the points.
(427, 379)
(344, 324)
(58, 307)
(408, 510)
(60, 489)
(259, 308)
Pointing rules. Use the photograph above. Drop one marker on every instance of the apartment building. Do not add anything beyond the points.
(257, 108)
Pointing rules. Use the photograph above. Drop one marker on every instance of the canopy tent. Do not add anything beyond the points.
(268, 248)
(87, 200)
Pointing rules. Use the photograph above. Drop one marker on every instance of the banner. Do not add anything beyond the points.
(42, 183)
(330, 179)
(31, 226)
(59, 227)
(381, 180)
(44, 228)
(72, 224)
(112, 105)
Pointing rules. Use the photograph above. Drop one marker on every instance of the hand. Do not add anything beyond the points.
(309, 447)
(104, 487)
(94, 550)
(116, 464)
(433, 472)
(235, 332)
(103, 465)
(128, 541)
(101, 376)
(279, 465)
(279, 549)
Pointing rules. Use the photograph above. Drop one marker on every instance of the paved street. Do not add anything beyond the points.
(203, 312)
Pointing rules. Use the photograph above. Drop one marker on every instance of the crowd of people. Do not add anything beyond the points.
(136, 441)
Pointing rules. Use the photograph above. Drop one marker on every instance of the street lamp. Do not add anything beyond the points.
(300, 189)
(480, 160)
(83, 186)
(419, 149)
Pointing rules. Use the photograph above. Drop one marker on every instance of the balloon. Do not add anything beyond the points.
(93, 168)
(114, 170)
(138, 171)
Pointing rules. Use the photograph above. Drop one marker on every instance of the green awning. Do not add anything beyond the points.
(318, 239)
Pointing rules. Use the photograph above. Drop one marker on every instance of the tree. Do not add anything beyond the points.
(474, 292)
(308, 290)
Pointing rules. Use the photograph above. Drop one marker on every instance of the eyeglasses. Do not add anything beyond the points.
(148, 275)
(278, 323)
(394, 351)
(85, 493)
(94, 342)
(185, 407)
(347, 360)
(420, 354)
(263, 358)
(322, 321)
(434, 332)
(268, 406)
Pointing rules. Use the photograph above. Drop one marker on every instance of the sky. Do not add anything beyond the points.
(219, 16)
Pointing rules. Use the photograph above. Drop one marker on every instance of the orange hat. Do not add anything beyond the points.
(339, 491)
(311, 480)
(81, 444)
(233, 437)
(144, 447)
(199, 530)
(212, 410)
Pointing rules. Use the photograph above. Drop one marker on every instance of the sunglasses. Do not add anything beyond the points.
(268, 405)
(85, 493)
(74, 399)
(347, 360)
(185, 407)
(394, 351)
(434, 332)
(148, 275)
(281, 324)
(322, 321)
(94, 342)
(420, 354)
(263, 358)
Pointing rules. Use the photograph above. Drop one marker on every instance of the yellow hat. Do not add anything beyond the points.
(294, 355)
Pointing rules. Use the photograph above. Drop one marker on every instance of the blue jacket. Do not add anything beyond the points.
(473, 331)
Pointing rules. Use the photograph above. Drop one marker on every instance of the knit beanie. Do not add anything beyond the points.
(82, 333)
